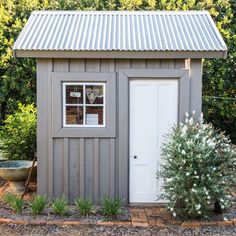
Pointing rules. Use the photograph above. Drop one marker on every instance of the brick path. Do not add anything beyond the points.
(160, 217)
(152, 216)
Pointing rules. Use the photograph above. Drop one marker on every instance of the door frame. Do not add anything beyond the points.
(125, 75)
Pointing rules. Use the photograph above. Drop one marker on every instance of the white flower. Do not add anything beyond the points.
(183, 152)
(208, 197)
(171, 209)
(222, 200)
(184, 161)
(187, 174)
(208, 175)
(214, 168)
(199, 212)
(197, 177)
(195, 172)
(184, 129)
(201, 118)
(194, 185)
(186, 114)
(193, 190)
(225, 219)
(169, 180)
(193, 112)
(174, 214)
(198, 206)
(211, 144)
(208, 202)
(191, 121)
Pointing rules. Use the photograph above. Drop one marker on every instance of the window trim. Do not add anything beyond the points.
(84, 105)
(56, 123)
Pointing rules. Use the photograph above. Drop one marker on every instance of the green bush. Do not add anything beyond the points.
(111, 206)
(38, 204)
(85, 206)
(60, 206)
(15, 203)
(198, 169)
(18, 135)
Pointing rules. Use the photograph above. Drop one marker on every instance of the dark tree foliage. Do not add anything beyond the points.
(17, 76)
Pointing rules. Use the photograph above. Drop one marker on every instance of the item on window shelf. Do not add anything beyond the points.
(75, 94)
(92, 119)
(92, 94)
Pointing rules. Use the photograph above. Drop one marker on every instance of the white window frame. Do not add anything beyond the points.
(84, 84)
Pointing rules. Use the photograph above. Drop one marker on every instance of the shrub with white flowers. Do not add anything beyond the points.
(198, 169)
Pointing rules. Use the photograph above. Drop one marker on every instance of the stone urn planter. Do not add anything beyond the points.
(16, 173)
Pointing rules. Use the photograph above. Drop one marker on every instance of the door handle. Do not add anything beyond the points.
(135, 157)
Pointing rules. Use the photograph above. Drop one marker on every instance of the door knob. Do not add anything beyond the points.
(135, 157)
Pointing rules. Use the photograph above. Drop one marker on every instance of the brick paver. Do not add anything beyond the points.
(151, 216)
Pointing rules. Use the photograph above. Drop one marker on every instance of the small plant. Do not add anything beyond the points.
(111, 206)
(85, 206)
(60, 206)
(38, 204)
(15, 203)
(198, 169)
(18, 134)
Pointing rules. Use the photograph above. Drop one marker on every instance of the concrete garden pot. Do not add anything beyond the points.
(16, 173)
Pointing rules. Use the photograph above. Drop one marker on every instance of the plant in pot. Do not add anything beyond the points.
(18, 146)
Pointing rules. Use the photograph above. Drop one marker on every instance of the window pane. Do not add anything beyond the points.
(94, 94)
(74, 94)
(74, 115)
(94, 116)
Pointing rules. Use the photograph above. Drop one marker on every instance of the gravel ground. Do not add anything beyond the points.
(12, 229)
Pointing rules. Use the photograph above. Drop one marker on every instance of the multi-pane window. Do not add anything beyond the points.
(84, 104)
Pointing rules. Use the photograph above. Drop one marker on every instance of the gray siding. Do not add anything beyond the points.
(87, 167)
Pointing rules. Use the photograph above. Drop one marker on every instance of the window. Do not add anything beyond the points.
(84, 104)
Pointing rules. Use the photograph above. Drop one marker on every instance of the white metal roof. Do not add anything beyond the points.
(163, 31)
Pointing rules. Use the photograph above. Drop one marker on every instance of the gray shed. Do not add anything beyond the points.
(109, 86)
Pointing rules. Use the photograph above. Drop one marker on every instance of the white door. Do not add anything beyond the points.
(153, 110)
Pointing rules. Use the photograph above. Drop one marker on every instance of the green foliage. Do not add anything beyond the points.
(15, 203)
(60, 206)
(111, 207)
(198, 170)
(17, 76)
(225, 116)
(38, 204)
(18, 135)
(85, 206)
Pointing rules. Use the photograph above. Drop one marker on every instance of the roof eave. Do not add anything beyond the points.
(119, 54)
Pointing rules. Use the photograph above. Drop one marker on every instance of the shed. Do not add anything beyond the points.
(109, 86)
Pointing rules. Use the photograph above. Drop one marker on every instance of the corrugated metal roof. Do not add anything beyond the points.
(120, 31)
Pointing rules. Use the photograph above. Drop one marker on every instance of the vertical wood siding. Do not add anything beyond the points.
(86, 167)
